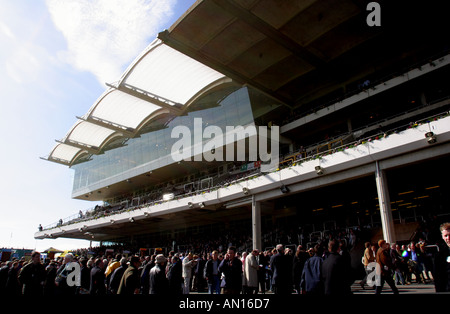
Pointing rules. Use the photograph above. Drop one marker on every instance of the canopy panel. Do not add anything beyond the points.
(64, 153)
(165, 72)
(123, 109)
(88, 134)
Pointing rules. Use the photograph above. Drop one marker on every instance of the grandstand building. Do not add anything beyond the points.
(362, 111)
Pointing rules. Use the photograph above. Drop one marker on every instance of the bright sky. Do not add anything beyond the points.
(55, 57)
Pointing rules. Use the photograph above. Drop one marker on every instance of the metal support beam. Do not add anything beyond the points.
(110, 125)
(174, 107)
(269, 31)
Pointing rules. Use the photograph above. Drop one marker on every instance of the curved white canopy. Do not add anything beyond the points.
(168, 73)
(160, 80)
(121, 108)
(65, 154)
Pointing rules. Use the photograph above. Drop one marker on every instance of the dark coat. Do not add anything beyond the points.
(311, 280)
(3, 278)
(116, 277)
(130, 281)
(297, 266)
(441, 273)
(13, 286)
(336, 275)
(31, 276)
(97, 281)
(159, 284)
(208, 270)
(233, 274)
(281, 266)
(175, 277)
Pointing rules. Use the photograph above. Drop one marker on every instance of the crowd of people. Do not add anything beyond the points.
(324, 269)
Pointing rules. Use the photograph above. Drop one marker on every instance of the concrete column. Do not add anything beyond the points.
(387, 221)
(349, 125)
(256, 224)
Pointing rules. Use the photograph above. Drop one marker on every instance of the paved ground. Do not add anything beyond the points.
(413, 288)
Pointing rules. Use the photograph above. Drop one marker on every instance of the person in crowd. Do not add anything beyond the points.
(244, 282)
(416, 262)
(406, 259)
(311, 278)
(62, 286)
(397, 261)
(281, 268)
(335, 272)
(198, 281)
(50, 277)
(300, 258)
(85, 280)
(131, 282)
(426, 262)
(251, 272)
(188, 264)
(13, 286)
(175, 276)
(368, 258)
(145, 273)
(116, 276)
(385, 268)
(262, 271)
(4, 275)
(231, 267)
(32, 276)
(159, 284)
(211, 273)
(442, 261)
(112, 265)
(97, 286)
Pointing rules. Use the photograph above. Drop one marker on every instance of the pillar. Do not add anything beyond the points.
(387, 221)
(256, 224)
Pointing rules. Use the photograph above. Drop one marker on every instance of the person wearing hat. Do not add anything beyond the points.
(159, 284)
(130, 282)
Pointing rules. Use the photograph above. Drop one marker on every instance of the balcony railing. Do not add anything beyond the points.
(295, 158)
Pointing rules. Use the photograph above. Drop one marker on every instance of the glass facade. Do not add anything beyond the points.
(153, 150)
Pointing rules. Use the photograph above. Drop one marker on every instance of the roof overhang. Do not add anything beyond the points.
(296, 51)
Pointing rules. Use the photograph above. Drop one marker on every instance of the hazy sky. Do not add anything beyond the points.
(55, 57)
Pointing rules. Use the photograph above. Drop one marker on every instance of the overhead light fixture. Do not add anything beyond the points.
(112, 221)
(190, 205)
(146, 214)
(131, 219)
(431, 137)
(319, 170)
(284, 189)
(201, 204)
(246, 191)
